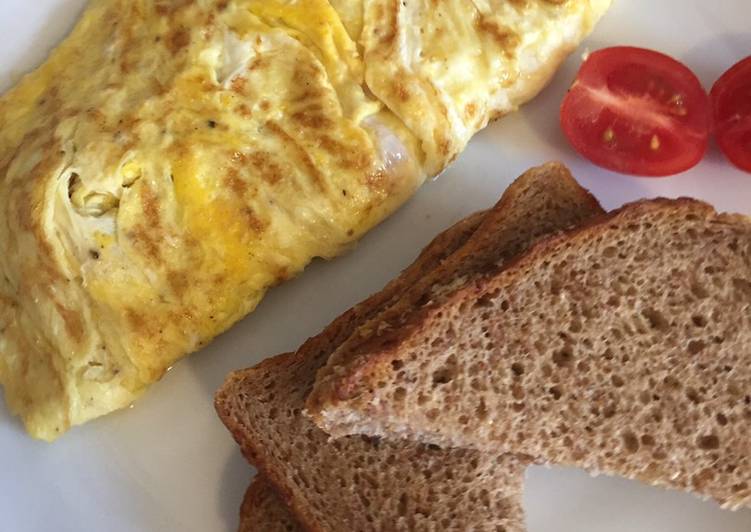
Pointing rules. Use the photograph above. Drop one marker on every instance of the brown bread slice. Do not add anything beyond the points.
(359, 483)
(263, 510)
(622, 347)
(329, 487)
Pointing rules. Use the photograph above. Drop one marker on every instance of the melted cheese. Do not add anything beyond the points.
(172, 160)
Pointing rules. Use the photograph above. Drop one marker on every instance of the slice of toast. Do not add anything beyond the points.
(329, 487)
(621, 347)
(263, 510)
(367, 484)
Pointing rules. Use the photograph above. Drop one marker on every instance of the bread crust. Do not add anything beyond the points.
(262, 510)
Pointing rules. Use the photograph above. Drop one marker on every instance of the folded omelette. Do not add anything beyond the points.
(173, 159)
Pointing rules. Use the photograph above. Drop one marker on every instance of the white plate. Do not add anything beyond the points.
(168, 464)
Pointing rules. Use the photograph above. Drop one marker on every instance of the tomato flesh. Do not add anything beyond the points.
(637, 111)
(731, 109)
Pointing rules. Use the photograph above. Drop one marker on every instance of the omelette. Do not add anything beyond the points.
(173, 159)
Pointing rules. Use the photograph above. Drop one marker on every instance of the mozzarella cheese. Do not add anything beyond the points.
(172, 160)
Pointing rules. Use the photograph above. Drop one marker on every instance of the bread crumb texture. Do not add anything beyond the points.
(623, 347)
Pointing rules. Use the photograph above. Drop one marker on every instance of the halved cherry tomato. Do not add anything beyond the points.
(731, 107)
(637, 111)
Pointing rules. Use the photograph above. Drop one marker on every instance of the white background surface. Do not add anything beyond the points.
(169, 465)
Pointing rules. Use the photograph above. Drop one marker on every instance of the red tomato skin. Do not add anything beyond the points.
(731, 111)
(606, 78)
